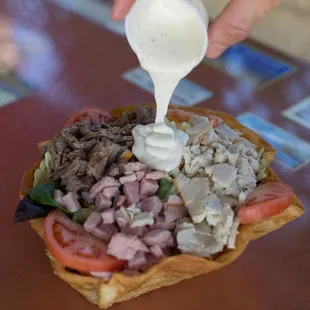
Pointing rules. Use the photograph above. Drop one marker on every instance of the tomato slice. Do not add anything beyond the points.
(90, 113)
(179, 115)
(268, 199)
(216, 120)
(75, 248)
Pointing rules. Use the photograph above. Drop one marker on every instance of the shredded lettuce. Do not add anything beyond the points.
(262, 169)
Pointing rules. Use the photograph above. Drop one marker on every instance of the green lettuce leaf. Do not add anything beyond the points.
(81, 215)
(164, 188)
(43, 194)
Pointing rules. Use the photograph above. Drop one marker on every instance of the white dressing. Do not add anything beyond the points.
(170, 39)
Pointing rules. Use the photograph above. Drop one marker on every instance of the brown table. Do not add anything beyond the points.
(82, 69)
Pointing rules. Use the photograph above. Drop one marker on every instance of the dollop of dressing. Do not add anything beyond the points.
(170, 39)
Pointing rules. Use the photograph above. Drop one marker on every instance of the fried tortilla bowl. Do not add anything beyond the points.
(177, 268)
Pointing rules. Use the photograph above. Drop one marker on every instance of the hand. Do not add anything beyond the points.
(231, 26)
(9, 53)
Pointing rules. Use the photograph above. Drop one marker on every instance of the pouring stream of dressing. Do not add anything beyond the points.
(170, 39)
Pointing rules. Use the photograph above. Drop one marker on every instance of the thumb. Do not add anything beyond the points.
(121, 8)
(235, 22)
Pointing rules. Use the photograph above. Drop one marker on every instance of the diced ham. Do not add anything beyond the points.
(135, 166)
(148, 187)
(57, 196)
(137, 262)
(119, 201)
(102, 202)
(174, 200)
(152, 204)
(103, 183)
(70, 202)
(105, 232)
(140, 175)
(131, 191)
(122, 217)
(162, 224)
(136, 231)
(108, 216)
(93, 221)
(157, 251)
(174, 213)
(111, 192)
(158, 237)
(125, 247)
(154, 175)
(128, 178)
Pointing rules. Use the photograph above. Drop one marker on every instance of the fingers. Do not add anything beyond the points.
(235, 22)
(9, 52)
(121, 8)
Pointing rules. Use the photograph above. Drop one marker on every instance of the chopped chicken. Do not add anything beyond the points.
(196, 133)
(244, 167)
(197, 242)
(222, 174)
(222, 230)
(227, 132)
(142, 219)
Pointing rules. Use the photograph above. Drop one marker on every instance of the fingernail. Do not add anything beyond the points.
(215, 50)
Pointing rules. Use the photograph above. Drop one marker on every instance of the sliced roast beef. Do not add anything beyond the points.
(98, 159)
(145, 115)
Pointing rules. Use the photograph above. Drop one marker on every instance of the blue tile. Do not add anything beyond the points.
(252, 65)
(95, 11)
(292, 151)
(187, 92)
(299, 112)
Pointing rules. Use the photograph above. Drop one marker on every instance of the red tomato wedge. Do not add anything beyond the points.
(91, 113)
(268, 199)
(216, 120)
(75, 248)
(179, 115)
